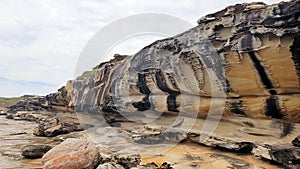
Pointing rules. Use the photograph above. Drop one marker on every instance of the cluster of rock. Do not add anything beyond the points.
(30, 103)
(55, 126)
(50, 123)
(54, 102)
(83, 153)
(286, 154)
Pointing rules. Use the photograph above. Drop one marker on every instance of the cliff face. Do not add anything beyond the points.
(259, 44)
(247, 53)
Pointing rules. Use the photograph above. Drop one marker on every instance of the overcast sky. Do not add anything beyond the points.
(41, 40)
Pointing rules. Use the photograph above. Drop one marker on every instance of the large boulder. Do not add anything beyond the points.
(72, 153)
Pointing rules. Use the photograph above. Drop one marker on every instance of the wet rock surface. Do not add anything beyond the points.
(14, 135)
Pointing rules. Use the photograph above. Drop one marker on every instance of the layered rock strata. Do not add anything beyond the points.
(246, 53)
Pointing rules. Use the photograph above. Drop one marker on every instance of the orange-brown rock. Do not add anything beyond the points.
(72, 154)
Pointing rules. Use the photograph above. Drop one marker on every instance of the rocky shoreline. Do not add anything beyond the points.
(144, 111)
(117, 148)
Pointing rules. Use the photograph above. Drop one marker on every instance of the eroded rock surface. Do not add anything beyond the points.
(247, 53)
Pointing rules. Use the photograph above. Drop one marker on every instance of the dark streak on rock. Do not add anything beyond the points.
(162, 85)
(171, 102)
(142, 85)
(295, 49)
(272, 107)
(261, 71)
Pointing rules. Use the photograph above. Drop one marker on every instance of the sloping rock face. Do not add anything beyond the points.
(247, 53)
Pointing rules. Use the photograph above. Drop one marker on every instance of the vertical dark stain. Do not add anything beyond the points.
(227, 88)
(261, 71)
(171, 102)
(272, 107)
(295, 49)
(162, 85)
(142, 85)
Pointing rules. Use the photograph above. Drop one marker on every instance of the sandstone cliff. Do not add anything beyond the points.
(248, 53)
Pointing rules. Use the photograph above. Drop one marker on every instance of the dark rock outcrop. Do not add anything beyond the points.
(55, 126)
(280, 153)
(296, 141)
(34, 103)
(35, 151)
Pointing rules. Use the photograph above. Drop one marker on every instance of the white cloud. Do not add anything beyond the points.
(40, 40)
